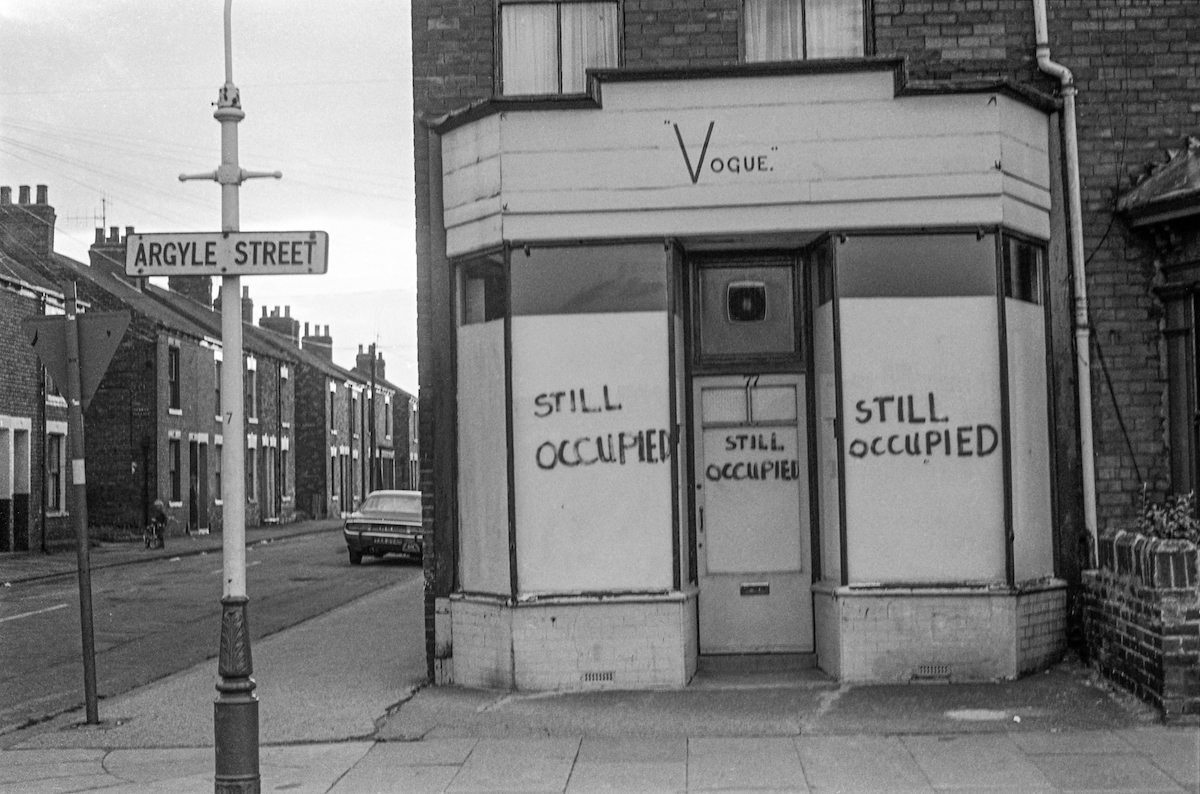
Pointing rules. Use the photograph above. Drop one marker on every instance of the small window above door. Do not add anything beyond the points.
(747, 311)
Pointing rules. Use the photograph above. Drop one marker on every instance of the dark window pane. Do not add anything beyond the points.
(1022, 270)
(747, 310)
(584, 280)
(914, 265)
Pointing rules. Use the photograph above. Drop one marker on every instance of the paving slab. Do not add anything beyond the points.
(517, 765)
(976, 761)
(862, 764)
(751, 763)
(1130, 774)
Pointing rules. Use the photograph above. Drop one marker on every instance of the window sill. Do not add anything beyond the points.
(57, 402)
(175, 411)
(251, 420)
(218, 502)
(174, 504)
(57, 514)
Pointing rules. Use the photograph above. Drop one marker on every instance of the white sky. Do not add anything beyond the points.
(108, 101)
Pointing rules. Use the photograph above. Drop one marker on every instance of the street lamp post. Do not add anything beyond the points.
(235, 712)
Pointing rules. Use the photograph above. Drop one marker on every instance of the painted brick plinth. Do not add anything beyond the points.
(576, 642)
(1142, 621)
(900, 634)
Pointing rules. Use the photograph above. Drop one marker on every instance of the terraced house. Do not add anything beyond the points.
(822, 332)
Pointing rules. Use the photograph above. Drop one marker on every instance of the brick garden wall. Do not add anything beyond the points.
(1142, 621)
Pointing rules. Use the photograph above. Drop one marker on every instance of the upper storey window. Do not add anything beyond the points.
(793, 30)
(547, 47)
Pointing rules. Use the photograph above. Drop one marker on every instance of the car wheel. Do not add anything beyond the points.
(355, 557)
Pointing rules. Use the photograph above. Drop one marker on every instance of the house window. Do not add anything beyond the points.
(387, 418)
(795, 30)
(251, 391)
(1183, 388)
(546, 47)
(251, 476)
(332, 411)
(353, 414)
(284, 479)
(217, 472)
(56, 485)
(217, 386)
(173, 465)
(173, 375)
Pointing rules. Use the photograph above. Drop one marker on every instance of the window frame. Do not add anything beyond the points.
(499, 42)
(56, 479)
(868, 27)
(175, 470)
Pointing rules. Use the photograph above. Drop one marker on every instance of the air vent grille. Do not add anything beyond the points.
(607, 675)
(932, 672)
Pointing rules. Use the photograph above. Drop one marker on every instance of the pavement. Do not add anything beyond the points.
(344, 709)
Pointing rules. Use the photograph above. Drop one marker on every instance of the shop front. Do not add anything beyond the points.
(749, 363)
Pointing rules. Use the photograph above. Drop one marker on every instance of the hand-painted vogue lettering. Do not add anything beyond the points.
(743, 163)
(621, 448)
(928, 432)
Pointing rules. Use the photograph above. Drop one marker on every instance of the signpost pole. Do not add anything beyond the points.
(78, 505)
(235, 712)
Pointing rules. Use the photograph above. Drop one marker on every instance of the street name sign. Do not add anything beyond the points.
(227, 254)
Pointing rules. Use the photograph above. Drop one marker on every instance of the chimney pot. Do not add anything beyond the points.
(23, 194)
(114, 234)
(99, 237)
(245, 292)
(287, 311)
(128, 231)
(360, 350)
(327, 330)
(43, 193)
(264, 311)
(306, 329)
(5, 195)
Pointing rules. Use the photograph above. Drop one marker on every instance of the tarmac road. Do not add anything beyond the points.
(162, 616)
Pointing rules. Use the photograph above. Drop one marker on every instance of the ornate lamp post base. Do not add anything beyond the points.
(235, 712)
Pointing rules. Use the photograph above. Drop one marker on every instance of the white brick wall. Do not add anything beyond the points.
(616, 643)
(887, 635)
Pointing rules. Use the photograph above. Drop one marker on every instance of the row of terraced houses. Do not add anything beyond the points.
(319, 437)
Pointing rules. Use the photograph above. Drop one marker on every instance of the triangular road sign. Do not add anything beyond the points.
(100, 334)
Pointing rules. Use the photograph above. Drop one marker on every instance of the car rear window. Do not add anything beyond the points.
(409, 503)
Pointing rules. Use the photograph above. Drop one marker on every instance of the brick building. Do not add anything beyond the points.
(33, 415)
(750, 327)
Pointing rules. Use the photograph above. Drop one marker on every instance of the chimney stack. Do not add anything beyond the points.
(284, 326)
(321, 344)
(247, 307)
(27, 230)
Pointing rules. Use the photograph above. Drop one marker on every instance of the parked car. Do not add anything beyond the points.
(387, 522)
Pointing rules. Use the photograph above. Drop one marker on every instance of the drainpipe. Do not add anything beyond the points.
(1083, 369)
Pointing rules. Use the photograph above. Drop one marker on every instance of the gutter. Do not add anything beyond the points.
(1083, 368)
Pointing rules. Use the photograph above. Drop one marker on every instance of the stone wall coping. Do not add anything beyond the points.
(576, 599)
(939, 590)
(1159, 563)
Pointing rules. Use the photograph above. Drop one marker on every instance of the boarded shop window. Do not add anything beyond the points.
(794, 30)
(547, 47)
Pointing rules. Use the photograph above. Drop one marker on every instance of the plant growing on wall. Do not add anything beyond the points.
(1174, 519)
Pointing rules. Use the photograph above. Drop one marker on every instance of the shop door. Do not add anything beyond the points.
(752, 514)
